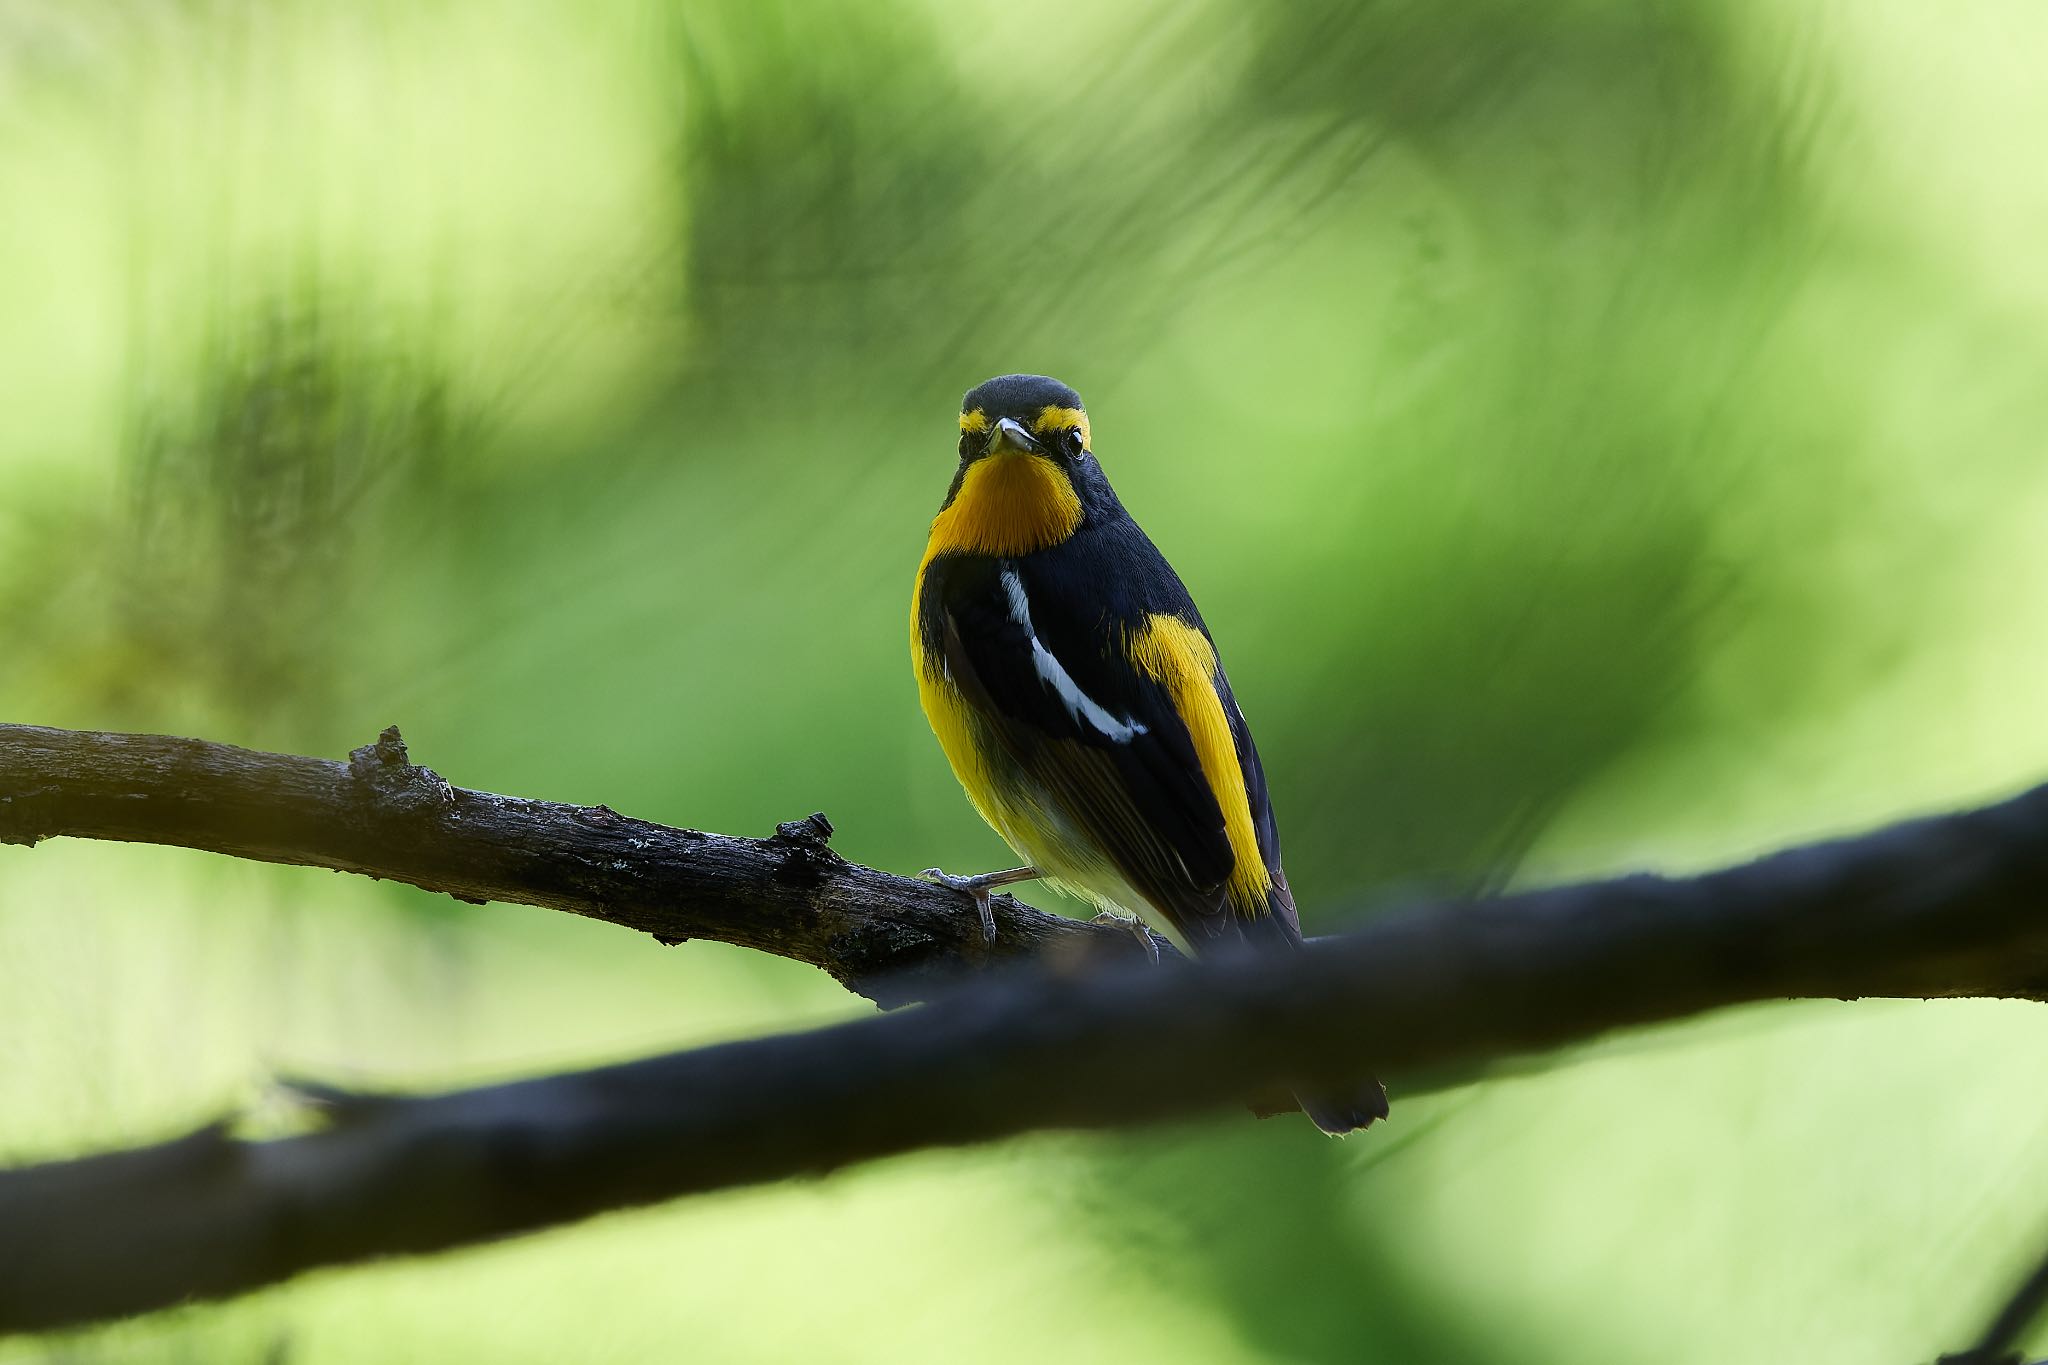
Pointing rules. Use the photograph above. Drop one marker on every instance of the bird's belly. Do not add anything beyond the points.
(1033, 823)
(1067, 859)
(1031, 818)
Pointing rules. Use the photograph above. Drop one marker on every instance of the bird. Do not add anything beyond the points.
(1081, 701)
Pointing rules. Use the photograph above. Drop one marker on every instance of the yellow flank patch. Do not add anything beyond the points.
(1059, 419)
(953, 723)
(1008, 504)
(1183, 661)
(959, 732)
(974, 421)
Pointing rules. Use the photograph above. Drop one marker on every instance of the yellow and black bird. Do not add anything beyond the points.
(1081, 702)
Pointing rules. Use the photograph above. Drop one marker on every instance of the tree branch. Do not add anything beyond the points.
(1942, 907)
(890, 938)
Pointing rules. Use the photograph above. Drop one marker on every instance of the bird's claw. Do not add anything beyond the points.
(1133, 925)
(975, 889)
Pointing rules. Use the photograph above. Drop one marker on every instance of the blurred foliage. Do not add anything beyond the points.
(1599, 435)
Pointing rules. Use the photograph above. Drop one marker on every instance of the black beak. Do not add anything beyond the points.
(1009, 434)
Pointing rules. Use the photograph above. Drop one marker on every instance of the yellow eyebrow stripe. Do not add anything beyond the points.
(1059, 419)
(1181, 659)
(974, 421)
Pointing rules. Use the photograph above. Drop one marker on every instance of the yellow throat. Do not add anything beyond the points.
(1008, 504)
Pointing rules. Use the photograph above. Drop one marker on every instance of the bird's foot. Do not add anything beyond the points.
(1131, 924)
(979, 888)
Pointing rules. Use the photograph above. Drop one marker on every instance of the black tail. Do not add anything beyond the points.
(1347, 1115)
(1339, 1110)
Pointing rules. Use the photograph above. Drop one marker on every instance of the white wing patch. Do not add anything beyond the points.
(1054, 674)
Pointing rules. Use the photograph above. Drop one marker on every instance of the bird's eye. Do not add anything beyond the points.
(1072, 443)
(966, 440)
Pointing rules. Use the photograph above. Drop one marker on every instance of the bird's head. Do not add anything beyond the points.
(1027, 478)
(1026, 415)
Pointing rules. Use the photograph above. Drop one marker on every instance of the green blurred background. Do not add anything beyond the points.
(1601, 435)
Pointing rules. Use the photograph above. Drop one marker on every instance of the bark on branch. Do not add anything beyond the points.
(1950, 906)
(889, 938)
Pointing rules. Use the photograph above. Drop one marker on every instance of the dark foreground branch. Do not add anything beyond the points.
(2021, 1309)
(1942, 907)
(890, 938)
